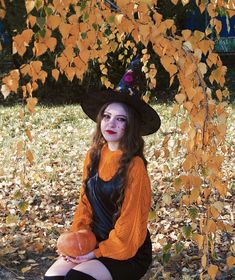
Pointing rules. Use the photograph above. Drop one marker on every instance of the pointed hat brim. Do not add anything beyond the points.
(149, 119)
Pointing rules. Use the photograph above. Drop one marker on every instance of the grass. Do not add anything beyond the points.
(50, 188)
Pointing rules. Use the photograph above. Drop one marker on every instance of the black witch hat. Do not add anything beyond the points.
(126, 92)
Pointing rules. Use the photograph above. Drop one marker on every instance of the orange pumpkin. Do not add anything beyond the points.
(76, 243)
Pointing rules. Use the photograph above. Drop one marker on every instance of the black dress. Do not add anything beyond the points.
(102, 196)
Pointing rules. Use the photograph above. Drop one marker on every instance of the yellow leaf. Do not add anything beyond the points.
(27, 35)
(55, 74)
(29, 135)
(198, 35)
(29, 5)
(199, 240)
(199, 96)
(177, 184)
(169, 23)
(194, 194)
(230, 261)
(84, 55)
(186, 34)
(70, 72)
(5, 91)
(189, 162)
(185, 2)
(12, 219)
(204, 261)
(29, 156)
(221, 225)
(10, 82)
(195, 181)
(219, 94)
(174, 1)
(23, 206)
(152, 215)
(31, 103)
(191, 68)
(144, 31)
(180, 98)
(172, 69)
(188, 46)
(157, 153)
(19, 147)
(118, 18)
(212, 271)
(167, 199)
(26, 268)
(166, 153)
(191, 92)
(40, 48)
(51, 43)
(62, 62)
(218, 25)
(175, 109)
(229, 228)
(2, 12)
(213, 57)
(35, 67)
(32, 20)
(215, 213)
(172, 80)
(184, 126)
(219, 206)
(64, 29)
(53, 21)
(221, 188)
(186, 200)
(188, 106)
(211, 226)
(146, 98)
(205, 46)
(203, 68)
(168, 64)
(25, 68)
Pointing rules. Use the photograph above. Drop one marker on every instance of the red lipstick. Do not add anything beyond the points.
(110, 132)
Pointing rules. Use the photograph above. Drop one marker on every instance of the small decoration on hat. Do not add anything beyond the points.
(130, 81)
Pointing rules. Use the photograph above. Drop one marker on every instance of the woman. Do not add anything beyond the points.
(116, 194)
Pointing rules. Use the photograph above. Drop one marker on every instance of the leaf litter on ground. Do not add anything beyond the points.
(34, 213)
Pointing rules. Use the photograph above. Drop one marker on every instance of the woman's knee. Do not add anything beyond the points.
(78, 275)
(95, 269)
(59, 268)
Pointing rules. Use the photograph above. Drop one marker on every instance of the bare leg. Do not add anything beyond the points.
(95, 269)
(60, 267)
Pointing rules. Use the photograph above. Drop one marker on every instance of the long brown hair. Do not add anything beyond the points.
(131, 144)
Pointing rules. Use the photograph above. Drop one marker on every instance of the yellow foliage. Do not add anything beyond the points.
(199, 239)
(230, 261)
(212, 271)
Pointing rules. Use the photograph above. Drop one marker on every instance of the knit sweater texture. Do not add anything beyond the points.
(130, 228)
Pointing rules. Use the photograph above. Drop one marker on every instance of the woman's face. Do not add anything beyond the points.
(113, 124)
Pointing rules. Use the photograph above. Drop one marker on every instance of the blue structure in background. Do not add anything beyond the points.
(226, 42)
(195, 20)
(4, 37)
(224, 32)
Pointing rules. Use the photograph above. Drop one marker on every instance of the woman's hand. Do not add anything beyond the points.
(80, 259)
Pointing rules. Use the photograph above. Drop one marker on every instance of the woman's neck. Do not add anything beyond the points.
(113, 146)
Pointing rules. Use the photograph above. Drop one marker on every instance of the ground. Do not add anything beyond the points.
(37, 207)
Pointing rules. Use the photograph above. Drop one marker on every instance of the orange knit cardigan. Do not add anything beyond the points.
(131, 227)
